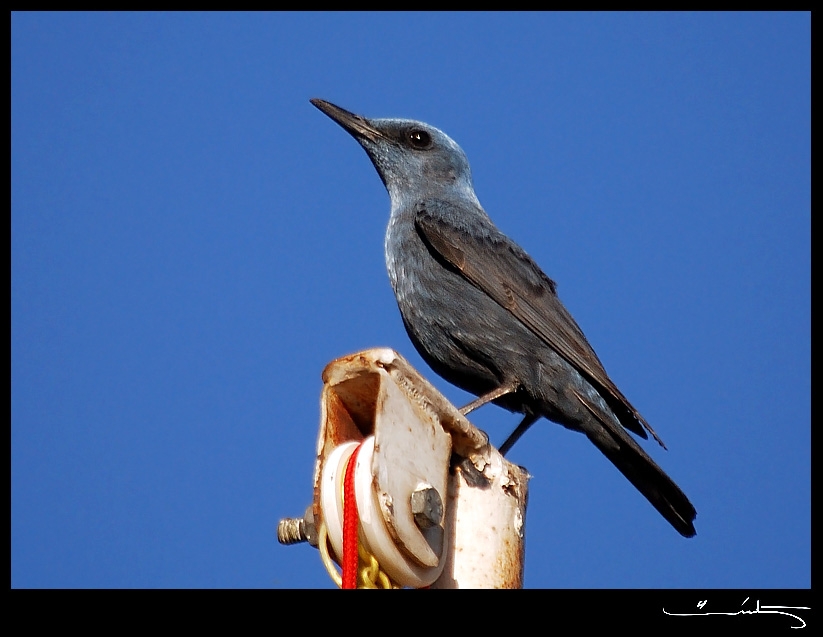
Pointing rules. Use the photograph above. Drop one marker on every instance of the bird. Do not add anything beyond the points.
(482, 313)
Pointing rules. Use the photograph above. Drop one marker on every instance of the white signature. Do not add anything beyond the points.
(757, 610)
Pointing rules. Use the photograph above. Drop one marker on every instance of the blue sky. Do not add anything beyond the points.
(192, 242)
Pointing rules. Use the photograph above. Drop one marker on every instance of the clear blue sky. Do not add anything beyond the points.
(192, 242)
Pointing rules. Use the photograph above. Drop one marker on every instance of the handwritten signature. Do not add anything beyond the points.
(757, 610)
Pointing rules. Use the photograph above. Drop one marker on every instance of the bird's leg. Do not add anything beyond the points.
(508, 388)
(527, 422)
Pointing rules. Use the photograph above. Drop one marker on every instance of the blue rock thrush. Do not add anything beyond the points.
(483, 314)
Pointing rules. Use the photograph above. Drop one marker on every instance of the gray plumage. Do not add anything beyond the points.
(483, 314)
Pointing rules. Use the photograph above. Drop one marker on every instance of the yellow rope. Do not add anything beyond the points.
(322, 544)
(369, 573)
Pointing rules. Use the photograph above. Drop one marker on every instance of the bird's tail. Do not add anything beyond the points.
(658, 488)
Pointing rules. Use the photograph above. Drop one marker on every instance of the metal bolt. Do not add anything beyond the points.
(426, 506)
(296, 530)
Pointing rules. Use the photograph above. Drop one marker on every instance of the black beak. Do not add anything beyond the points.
(359, 127)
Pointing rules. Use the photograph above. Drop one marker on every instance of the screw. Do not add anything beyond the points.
(296, 530)
(426, 506)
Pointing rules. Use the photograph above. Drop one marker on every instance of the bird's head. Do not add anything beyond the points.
(413, 159)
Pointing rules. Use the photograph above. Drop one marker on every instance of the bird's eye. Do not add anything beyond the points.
(420, 138)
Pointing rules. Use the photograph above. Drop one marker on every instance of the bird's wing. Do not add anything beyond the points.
(500, 268)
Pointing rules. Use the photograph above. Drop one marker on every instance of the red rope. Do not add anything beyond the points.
(350, 524)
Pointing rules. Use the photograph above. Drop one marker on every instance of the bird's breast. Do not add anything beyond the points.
(453, 325)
